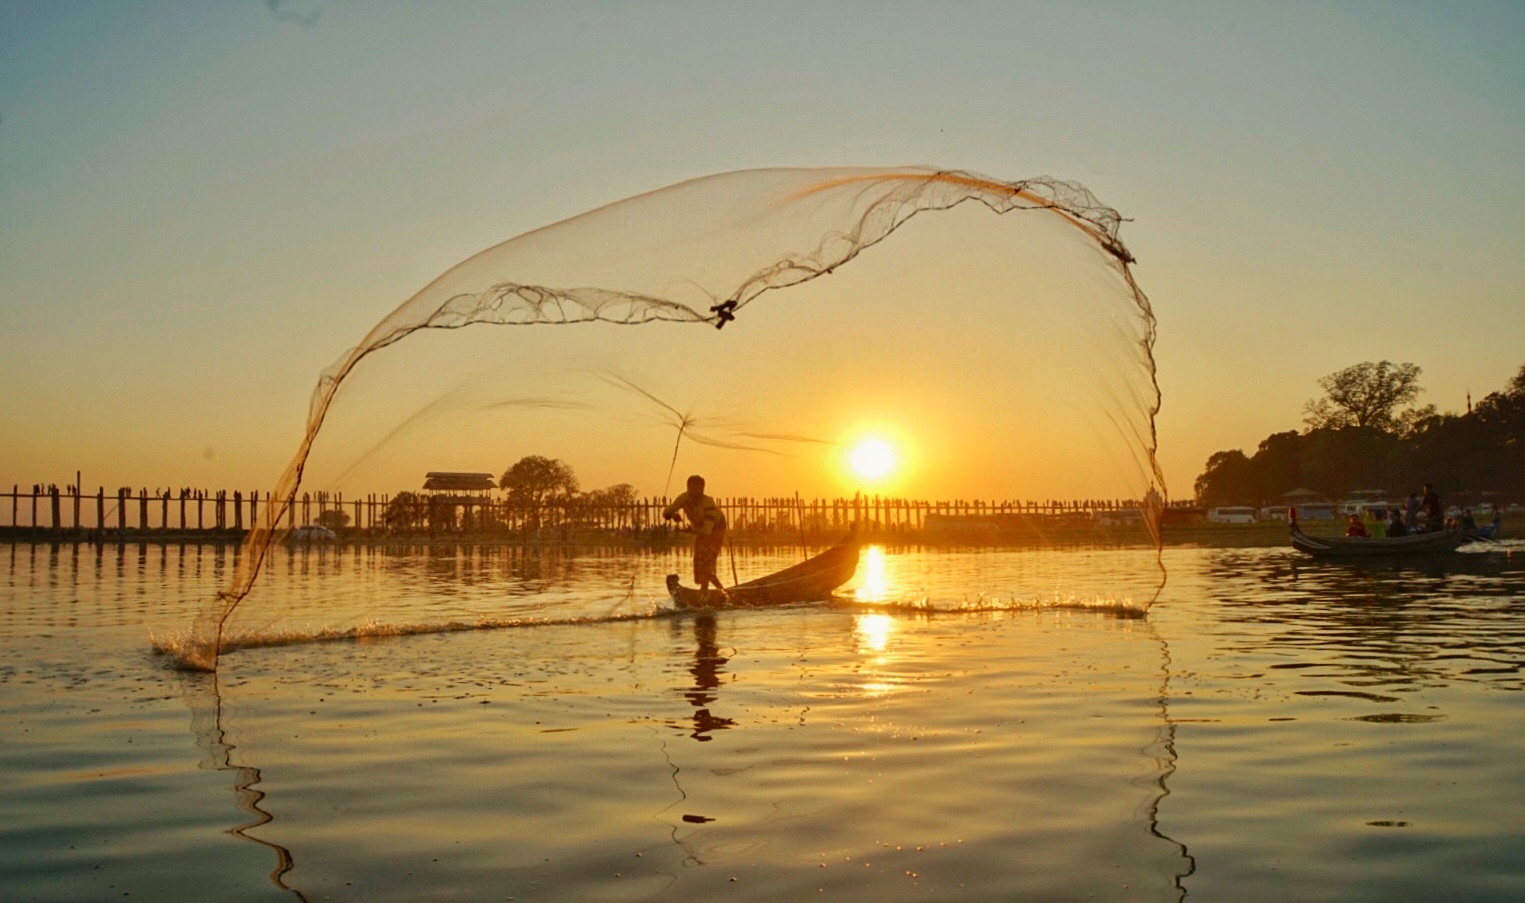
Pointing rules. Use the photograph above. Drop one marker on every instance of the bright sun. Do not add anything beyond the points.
(873, 459)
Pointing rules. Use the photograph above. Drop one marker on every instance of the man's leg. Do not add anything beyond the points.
(706, 554)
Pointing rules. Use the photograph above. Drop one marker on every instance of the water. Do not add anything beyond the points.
(987, 724)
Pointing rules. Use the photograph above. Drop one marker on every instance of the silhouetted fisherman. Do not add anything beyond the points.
(707, 522)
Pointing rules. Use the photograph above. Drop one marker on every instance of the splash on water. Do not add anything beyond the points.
(1016, 348)
(987, 604)
(183, 646)
(178, 647)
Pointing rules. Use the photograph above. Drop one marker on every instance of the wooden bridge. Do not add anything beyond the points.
(53, 513)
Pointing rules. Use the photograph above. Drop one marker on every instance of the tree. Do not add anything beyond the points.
(1337, 461)
(334, 519)
(535, 482)
(405, 511)
(618, 494)
(1504, 411)
(1227, 479)
(1468, 454)
(618, 499)
(1278, 466)
(1486, 447)
(1368, 395)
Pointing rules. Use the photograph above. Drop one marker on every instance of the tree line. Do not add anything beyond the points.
(1364, 432)
(534, 483)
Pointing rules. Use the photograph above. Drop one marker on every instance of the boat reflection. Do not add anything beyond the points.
(1378, 624)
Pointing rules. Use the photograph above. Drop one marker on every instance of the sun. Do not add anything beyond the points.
(872, 459)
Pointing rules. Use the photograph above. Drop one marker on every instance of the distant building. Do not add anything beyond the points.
(450, 481)
(458, 501)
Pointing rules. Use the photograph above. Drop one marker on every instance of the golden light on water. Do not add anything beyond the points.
(873, 584)
(873, 631)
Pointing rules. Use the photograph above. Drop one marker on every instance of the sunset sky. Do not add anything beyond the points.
(205, 204)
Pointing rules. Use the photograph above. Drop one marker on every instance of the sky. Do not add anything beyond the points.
(202, 205)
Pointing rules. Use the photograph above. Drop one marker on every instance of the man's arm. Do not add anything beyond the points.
(671, 511)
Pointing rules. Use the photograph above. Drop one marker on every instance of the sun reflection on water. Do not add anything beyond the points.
(873, 583)
(873, 631)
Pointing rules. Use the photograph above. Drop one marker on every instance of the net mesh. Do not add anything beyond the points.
(1025, 331)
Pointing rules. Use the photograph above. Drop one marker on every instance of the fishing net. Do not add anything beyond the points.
(1002, 348)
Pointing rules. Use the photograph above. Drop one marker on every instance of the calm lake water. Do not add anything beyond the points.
(981, 725)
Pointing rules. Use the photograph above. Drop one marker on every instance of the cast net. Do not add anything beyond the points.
(1002, 349)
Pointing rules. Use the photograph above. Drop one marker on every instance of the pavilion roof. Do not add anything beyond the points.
(452, 481)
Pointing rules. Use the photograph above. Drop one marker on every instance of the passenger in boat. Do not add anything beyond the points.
(1356, 528)
(1411, 511)
(1434, 513)
(1395, 527)
(1468, 522)
(707, 522)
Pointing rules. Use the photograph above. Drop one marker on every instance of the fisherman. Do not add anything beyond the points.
(707, 522)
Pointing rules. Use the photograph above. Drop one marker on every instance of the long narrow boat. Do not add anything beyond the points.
(812, 580)
(1436, 542)
(1486, 531)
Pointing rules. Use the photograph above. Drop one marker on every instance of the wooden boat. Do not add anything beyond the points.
(812, 580)
(1431, 543)
(1486, 531)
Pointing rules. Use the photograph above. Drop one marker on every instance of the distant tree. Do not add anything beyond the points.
(404, 511)
(618, 494)
(1468, 453)
(334, 519)
(1338, 461)
(1482, 450)
(1504, 411)
(619, 498)
(535, 482)
(1227, 479)
(1367, 395)
(1278, 466)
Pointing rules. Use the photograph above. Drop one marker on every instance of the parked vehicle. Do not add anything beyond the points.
(1231, 515)
(1316, 511)
(1120, 517)
(312, 533)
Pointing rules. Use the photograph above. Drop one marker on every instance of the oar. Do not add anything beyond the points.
(731, 547)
